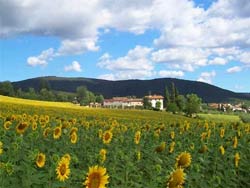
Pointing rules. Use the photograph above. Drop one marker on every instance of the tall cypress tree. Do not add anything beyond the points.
(166, 97)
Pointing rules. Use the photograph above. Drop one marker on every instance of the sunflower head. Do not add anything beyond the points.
(7, 125)
(222, 150)
(236, 159)
(34, 126)
(57, 132)
(63, 169)
(46, 132)
(73, 137)
(1, 148)
(183, 160)
(235, 142)
(21, 127)
(176, 179)
(107, 137)
(171, 147)
(40, 160)
(103, 153)
(137, 137)
(172, 135)
(96, 177)
(222, 132)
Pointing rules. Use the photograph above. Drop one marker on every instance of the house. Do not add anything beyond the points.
(153, 99)
(123, 102)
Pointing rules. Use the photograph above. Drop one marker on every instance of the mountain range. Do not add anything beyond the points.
(139, 88)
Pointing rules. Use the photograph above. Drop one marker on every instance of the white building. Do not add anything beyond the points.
(123, 102)
(154, 99)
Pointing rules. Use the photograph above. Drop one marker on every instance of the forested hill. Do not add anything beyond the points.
(138, 88)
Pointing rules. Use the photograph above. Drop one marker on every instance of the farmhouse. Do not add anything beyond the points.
(123, 102)
(154, 99)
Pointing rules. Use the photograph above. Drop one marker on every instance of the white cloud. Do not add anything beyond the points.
(187, 59)
(207, 77)
(136, 64)
(75, 66)
(41, 59)
(234, 69)
(244, 57)
(170, 74)
(217, 61)
(107, 77)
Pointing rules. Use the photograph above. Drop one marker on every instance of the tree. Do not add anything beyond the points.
(172, 107)
(180, 102)
(99, 98)
(166, 97)
(173, 94)
(44, 84)
(6, 89)
(193, 104)
(146, 103)
(81, 92)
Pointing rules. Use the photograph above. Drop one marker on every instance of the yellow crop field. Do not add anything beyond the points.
(56, 145)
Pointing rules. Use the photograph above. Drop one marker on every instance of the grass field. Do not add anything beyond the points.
(59, 145)
(219, 117)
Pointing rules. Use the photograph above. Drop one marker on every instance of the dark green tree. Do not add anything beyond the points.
(81, 92)
(158, 105)
(193, 104)
(173, 94)
(166, 97)
(172, 107)
(99, 98)
(6, 89)
(44, 83)
(180, 102)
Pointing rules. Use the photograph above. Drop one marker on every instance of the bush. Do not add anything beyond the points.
(245, 118)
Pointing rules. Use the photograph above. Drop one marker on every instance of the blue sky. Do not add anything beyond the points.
(201, 40)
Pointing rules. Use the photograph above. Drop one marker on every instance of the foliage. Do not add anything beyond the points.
(245, 118)
(6, 88)
(193, 104)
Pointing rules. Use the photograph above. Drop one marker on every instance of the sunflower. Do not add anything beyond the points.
(183, 160)
(7, 125)
(203, 149)
(236, 159)
(103, 153)
(46, 132)
(57, 132)
(171, 147)
(161, 147)
(235, 142)
(100, 133)
(137, 137)
(21, 127)
(222, 132)
(62, 169)
(34, 126)
(107, 137)
(172, 135)
(73, 130)
(1, 148)
(96, 177)
(222, 150)
(40, 160)
(67, 157)
(176, 179)
(138, 155)
(73, 138)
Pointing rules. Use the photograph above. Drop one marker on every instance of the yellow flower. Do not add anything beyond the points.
(46, 132)
(222, 132)
(7, 125)
(62, 169)
(138, 155)
(40, 160)
(100, 133)
(161, 147)
(57, 132)
(21, 127)
(103, 153)
(203, 135)
(171, 147)
(46, 118)
(176, 179)
(107, 137)
(172, 135)
(236, 159)
(137, 137)
(222, 150)
(235, 142)
(34, 126)
(183, 160)
(73, 130)
(96, 177)
(73, 137)
(67, 157)
(1, 148)
(192, 146)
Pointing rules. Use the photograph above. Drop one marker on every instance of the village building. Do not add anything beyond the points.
(153, 99)
(123, 102)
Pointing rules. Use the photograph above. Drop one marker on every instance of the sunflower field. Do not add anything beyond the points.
(56, 146)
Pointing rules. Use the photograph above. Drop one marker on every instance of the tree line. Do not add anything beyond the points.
(82, 95)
